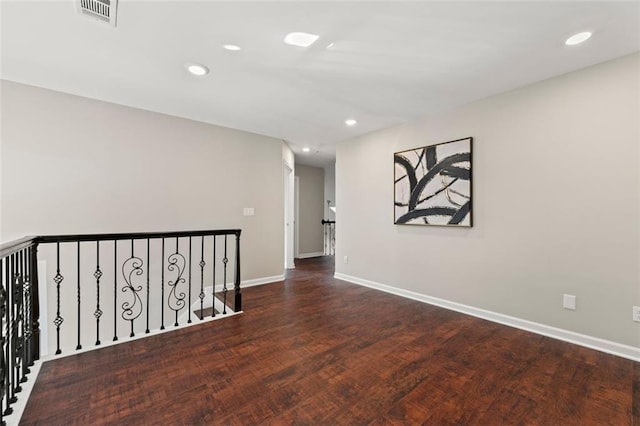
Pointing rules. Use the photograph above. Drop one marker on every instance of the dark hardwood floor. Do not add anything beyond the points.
(315, 350)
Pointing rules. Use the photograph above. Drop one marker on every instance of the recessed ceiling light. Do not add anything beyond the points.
(578, 38)
(300, 39)
(231, 47)
(306, 149)
(350, 122)
(197, 69)
(330, 45)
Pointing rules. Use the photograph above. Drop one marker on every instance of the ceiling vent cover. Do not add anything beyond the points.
(102, 10)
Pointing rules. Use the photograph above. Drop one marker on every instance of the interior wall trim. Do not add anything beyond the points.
(308, 255)
(607, 346)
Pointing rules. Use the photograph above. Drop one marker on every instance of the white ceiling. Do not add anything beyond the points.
(391, 62)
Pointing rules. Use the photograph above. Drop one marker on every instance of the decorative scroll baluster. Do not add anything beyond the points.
(189, 292)
(202, 265)
(132, 309)
(177, 263)
(237, 304)
(213, 291)
(162, 290)
(115, 289)
(98, 312)
(147, 329)
(79, 346)
(58, 320)
(224, 277)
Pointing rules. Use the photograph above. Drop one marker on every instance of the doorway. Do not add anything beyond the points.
(289, 222)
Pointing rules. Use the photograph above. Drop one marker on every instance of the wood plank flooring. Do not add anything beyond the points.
(315, 350)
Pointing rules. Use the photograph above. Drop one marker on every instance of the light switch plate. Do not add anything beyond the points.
(248, 211)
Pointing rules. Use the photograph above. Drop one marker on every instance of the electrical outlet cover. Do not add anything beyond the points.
(569, 302)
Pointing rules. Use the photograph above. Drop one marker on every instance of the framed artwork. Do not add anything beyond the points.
(433, 185)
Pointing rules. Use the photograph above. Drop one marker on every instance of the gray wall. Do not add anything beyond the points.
(310, 209)
(556, 205)
(76, 165)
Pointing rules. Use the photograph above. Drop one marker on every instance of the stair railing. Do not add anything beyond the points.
(109, 286)
(19, 316)
(329, 237)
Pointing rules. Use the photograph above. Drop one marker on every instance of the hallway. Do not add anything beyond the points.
(316, 350)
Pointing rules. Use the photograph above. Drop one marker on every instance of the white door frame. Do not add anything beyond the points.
(289, 225)
(297, 216)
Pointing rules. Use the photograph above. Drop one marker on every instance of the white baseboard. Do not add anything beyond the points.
(613, 348)
(251, 283)
(308, 255)
(245, 284)
(263, 280)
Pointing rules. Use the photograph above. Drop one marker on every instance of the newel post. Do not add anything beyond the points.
(237, 305)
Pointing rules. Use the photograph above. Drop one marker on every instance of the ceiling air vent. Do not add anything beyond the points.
(102, 10)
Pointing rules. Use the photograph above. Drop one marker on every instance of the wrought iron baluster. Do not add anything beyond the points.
(224, 277)
(79, 346)
(213, 290)
(4, 382)
(10, 399)
(202, 265)
(162, 290)
(176, 298)
(237, 304)
(22, 298)
(148, 248)
(98, 312)
(115, 290)
(58, 320)
(15, 318)
(177, 280)
(132, 309)
(189, 297)
(26, 303)
(19, 323)
(35, 307)
(27, 312)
